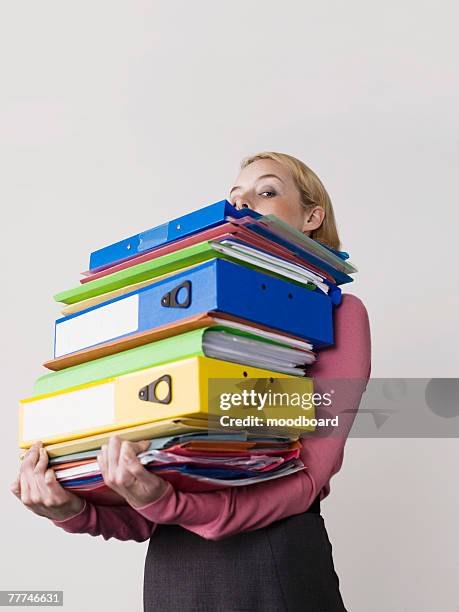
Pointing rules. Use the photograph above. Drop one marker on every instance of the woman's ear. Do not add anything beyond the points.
(313, 218)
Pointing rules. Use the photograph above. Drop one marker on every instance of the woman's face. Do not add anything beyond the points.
(267, 187)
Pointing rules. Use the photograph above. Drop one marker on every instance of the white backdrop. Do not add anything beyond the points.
(115, 117)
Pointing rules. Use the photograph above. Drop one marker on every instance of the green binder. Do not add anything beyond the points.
(195, 254)
(182, 346)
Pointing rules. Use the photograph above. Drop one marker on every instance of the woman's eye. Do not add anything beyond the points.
(272, 193)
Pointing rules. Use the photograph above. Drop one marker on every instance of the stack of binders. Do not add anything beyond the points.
(219, 293)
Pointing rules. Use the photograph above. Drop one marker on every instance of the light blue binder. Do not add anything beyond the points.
(217, 285)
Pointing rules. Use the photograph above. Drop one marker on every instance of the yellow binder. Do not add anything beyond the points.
(147, 431)
(169, 391)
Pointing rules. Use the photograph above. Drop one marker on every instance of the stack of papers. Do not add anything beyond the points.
(204, 461)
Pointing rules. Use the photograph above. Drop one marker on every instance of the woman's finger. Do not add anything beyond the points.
(15, 487)
(113, 455)
(101, 463)
(105, 458)
(102, 459)
(120, 477)
(25, 488)
(39, 475)
(128, 458)
(37, 495)
(132, 465)
(130, 450)
(48, 475)
(26, 474)
(42, 463)
(55, 489)
(28, 484)
(50, 478)
(31, 458)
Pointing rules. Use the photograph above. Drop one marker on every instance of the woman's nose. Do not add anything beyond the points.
(241, 202)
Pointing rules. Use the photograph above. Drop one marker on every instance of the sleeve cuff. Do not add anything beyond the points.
(75, 519)
(162, 509)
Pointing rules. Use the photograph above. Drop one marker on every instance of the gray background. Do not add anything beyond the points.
(117, 116)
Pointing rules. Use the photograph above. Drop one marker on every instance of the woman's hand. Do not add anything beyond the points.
(38, 489)
(123, 472)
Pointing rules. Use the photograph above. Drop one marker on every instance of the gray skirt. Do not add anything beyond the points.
(285, 566)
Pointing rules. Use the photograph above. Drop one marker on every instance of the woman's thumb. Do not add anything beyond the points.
(142, 446)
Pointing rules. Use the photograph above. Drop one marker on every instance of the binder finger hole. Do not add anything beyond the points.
(182, 295)
(161, 390)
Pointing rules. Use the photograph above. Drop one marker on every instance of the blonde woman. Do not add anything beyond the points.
(258, 548)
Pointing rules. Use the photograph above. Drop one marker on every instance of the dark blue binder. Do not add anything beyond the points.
(188, 224)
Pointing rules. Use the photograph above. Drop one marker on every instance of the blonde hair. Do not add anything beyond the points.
(312, 193)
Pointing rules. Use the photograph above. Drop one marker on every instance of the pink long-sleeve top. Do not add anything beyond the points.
(219, 514)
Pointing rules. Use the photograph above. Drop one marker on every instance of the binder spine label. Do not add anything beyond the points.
(99, 325)
(92, 407)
